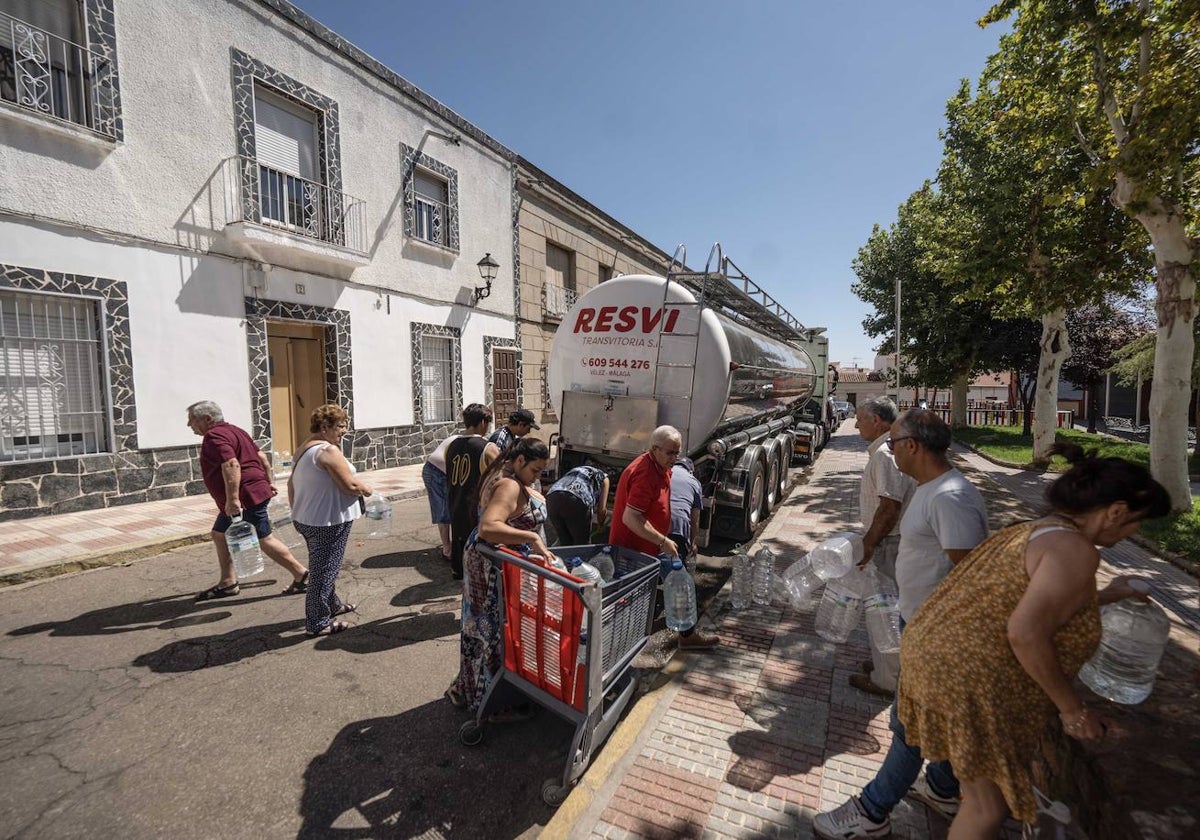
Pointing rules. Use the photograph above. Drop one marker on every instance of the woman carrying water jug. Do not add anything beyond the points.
(990, 657)
(324, 495)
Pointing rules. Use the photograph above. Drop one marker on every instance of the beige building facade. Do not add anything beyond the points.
(567, 246)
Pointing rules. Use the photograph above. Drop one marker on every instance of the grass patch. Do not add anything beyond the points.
(1179, 532)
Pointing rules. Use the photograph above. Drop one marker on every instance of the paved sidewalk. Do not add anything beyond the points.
(47, 544)
(752, 740)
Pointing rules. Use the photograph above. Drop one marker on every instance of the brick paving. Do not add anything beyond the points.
(754, 738)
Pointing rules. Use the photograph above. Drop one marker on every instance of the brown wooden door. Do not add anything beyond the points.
(297, 372)
(504, 383)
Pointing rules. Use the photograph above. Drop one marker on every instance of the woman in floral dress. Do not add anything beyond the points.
(511, 513)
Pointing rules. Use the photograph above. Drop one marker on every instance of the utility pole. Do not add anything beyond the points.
(897, 338)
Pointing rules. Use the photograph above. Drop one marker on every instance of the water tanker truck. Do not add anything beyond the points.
(709, 353)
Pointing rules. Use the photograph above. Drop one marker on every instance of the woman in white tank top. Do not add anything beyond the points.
(324, 494)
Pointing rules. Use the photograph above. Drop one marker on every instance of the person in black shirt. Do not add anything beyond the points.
(467, 458)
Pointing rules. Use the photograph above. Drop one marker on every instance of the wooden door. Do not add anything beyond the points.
(504, 383)
(297, 372)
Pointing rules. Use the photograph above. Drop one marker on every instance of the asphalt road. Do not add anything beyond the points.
(127, 710)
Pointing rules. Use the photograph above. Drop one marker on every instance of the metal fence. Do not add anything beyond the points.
(55, 77)
(272, 197)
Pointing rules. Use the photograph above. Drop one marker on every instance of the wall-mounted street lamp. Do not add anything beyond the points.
(487, 270)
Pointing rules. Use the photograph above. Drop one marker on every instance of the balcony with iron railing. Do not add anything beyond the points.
(293, 216)
(557, 300)
(62, 82)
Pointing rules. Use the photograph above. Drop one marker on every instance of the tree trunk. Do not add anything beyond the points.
(1055, 351)
(1174, 345)
(1196, 426)
(958, 400)
(1093, 405)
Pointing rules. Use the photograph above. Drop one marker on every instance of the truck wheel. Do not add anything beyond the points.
(774, 468)
(752, 501)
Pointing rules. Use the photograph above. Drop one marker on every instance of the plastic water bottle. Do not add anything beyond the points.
(553, 606)
(1134, 637)
(838, 612)
(763, 576)
(743, 580)
(379, 517)
(800, 582)
(882, 610)
(837, 555)
(603, 561)
(679, 598)
(243, 548)
(584, 570)
(281, 523)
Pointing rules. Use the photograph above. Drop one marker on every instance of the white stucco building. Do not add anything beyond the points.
(222, 199)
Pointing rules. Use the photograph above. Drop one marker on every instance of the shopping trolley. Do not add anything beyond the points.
(551, 617)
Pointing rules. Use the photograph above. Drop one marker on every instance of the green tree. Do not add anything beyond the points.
(1123, 76)
(1097, 332)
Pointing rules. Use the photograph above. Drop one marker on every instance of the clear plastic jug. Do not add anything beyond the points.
(379, 517)
(742, 581)
(243, 548)
(603, 561)
(763, 576)
(882, 610)
(1134, 638)
(679, 598)
(840, 608)
(837, 555)
(281, 523)
(800, 582)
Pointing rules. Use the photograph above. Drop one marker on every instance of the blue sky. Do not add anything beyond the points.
(783, 130)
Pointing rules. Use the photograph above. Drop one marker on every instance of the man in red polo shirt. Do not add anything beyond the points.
(238, 477)
(642, 511)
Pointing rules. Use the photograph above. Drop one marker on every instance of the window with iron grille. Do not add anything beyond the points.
(51, 378)
(431, 209)
(437, 379)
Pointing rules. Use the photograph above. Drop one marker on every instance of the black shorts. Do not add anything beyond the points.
(256, 516)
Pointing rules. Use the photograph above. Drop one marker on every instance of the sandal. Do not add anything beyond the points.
(345, 608)
(455, 697)
(329, 629)
(219, 591)
(298, 587)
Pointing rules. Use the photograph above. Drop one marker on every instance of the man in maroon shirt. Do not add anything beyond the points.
(642, 511)
(238, 477)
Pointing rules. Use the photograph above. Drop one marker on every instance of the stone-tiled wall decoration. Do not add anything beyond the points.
(249, 71)
(123, 476)
(413, 159)
(101, 25)
(418, 331)
(339, 377)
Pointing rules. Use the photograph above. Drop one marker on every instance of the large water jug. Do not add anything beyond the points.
(763, 576)
(742, 580)
(603, 561)
(840, 607)
(379, 517)
(679, 597)
(882, 610)
(282, 526)
(581, 569)
(1134, 637)
(836, 555)
(800, 582)
(243, 548)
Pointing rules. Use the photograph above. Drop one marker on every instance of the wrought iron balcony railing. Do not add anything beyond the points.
(56, 78)
(557, 300)
(429, 219)
(272, 197)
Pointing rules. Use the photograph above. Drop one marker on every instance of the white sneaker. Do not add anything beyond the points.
(849, 821)
(947, 806)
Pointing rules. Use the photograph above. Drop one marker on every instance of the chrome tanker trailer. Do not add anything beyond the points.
(709, 353)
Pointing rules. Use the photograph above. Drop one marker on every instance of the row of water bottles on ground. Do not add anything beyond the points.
(1123, 669)
(242, 538)
(850, 592)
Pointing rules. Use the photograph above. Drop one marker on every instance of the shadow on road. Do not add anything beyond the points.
(408, 776)
(223, 648)
(154, 614)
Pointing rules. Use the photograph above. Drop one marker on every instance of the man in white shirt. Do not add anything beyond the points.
(945, 519)
(883, 498)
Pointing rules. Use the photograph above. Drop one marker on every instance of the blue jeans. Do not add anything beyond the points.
(901, 767)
